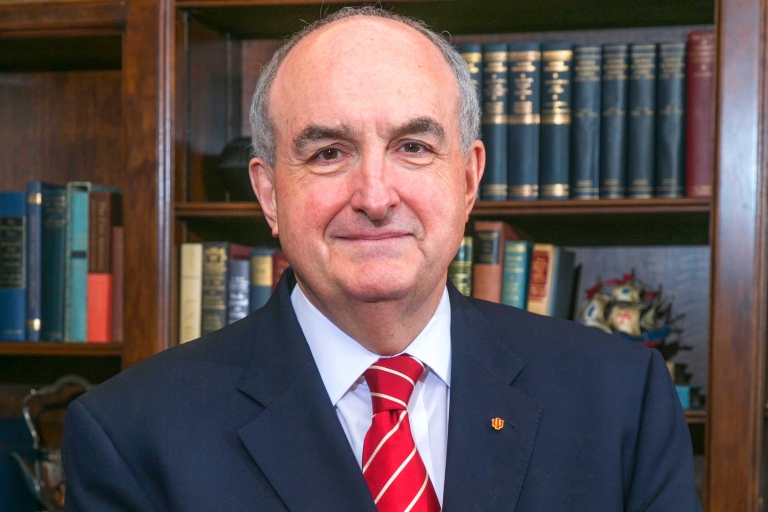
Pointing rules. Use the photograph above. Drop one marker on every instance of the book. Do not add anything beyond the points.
(238, 290)
(473, 55)
(460, 269)
(523, 120)
(556, 71)
(613, 121)
(215, 286)
(118, 279)
(487, 273)
(670, 121)
(493, 186)
(190, 292)
(104, 213)
(641, 104)
(261, 278)
(585, 122)
(551, 281)
(46, 216)
(46, 299)
(13, 266)
(700, 114)
(279, 264)
(517, 261)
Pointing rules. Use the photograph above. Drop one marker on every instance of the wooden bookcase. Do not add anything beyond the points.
(143, 95)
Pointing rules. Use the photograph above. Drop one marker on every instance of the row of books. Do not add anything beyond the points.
(596, 121)
(222, 282)
(497, 264)
(61, 263)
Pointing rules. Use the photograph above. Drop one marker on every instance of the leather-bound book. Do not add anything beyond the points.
(641, 141)
(523, 121)
(585, 122)
(554, 155)
(670, 121)
(216, 258)
(488, 272)
(700, 114)
(495, 87)
(613, 121)
(460, 269)
(472, 54)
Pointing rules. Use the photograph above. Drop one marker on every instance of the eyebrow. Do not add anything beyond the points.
(419, 126)
(316, 132)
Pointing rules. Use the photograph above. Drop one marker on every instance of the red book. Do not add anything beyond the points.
(279, 264)
(488, 270)
(104, 213)
(700, 114)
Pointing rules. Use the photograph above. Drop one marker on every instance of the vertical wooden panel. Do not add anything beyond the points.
(256, 55)
(736, 399)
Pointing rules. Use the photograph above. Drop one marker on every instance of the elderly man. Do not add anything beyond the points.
(367, 382)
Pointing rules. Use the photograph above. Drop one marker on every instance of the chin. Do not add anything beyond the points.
(380, 283)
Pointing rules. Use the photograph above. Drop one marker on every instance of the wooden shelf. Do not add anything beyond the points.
(11, 348)
(696, 416)
(20, 19)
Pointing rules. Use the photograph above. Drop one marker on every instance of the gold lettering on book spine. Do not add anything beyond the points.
(473, 59)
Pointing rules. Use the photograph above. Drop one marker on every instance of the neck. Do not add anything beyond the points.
(386, 327)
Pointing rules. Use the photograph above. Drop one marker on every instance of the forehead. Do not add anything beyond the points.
(362, 70)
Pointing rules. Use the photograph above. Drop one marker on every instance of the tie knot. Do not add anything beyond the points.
(391, 382)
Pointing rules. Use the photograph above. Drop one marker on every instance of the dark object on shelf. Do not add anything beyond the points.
(233, 166)
(44, 411)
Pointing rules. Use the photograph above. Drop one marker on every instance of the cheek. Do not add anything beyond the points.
(306, 206)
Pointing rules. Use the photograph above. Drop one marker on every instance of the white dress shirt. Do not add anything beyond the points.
(342, 361)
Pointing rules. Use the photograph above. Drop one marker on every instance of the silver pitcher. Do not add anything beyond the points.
(45, 477)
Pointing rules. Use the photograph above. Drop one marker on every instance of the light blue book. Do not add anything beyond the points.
(517, 262)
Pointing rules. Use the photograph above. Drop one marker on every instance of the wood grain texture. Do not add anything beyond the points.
(60, 127)
(256, 55)
(60, 349)
(738, 307)
(58, 18)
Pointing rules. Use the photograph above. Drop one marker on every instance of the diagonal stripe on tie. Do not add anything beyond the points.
(394, 470)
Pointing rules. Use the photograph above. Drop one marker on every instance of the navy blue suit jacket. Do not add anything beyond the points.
(240, 420)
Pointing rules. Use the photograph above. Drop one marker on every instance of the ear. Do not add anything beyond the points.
(474, 166)
(263, 183)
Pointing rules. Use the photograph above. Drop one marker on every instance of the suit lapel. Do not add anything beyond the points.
(297, 439)
(485, 468)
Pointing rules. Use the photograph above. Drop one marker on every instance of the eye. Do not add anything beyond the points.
(328, 154)
(413, 147)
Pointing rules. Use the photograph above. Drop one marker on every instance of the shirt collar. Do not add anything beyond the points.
(341, 360)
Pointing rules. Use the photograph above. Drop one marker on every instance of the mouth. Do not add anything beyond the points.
(374, 237)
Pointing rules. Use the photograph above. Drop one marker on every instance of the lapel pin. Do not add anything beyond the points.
(497, 423)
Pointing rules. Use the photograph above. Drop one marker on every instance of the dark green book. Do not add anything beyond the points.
(473, 55)
(670, 121)
(641, 140)
(523, 121)
(216, 258)
(460, 269)
(585, 122)
(613, 122)
(556, 71)
(517, 262)
(495, 87)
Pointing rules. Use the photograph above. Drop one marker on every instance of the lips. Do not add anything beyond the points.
(373, 237)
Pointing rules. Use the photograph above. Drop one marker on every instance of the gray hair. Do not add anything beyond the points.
(468, 102)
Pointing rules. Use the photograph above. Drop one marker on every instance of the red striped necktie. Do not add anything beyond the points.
(392, 466)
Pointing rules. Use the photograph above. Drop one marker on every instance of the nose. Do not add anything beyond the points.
(374, 190)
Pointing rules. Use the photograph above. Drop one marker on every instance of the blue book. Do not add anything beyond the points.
(613, 123)
(493, 186)
(472, 54)
(670, 121)
(261, 277)
(555, 131)
(585, 125)
(641, 106)
(523, 121)
(517, 261)
(13, 266)
(46, 240)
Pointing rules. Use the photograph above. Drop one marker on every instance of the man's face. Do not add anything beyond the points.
(370, 190)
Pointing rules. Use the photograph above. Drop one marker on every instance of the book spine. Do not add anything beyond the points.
(700, 114)
(279, 264)
(613, 122)
(543, 262)
(487, 272)
(99, 317)
(54, 261)
(34, 259)
(190, 292)
(77, 272)
(514, 290)
(556, 72)
(460, 269)
(641, 141)
(214, 303)
(261, 279)
(118, 280)
(238, 292)
(473, 56)
(585, 123)
(495, 86)
(99, 295)
(670, 121)
(562, 284)
(523, 121)
(13, 266)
